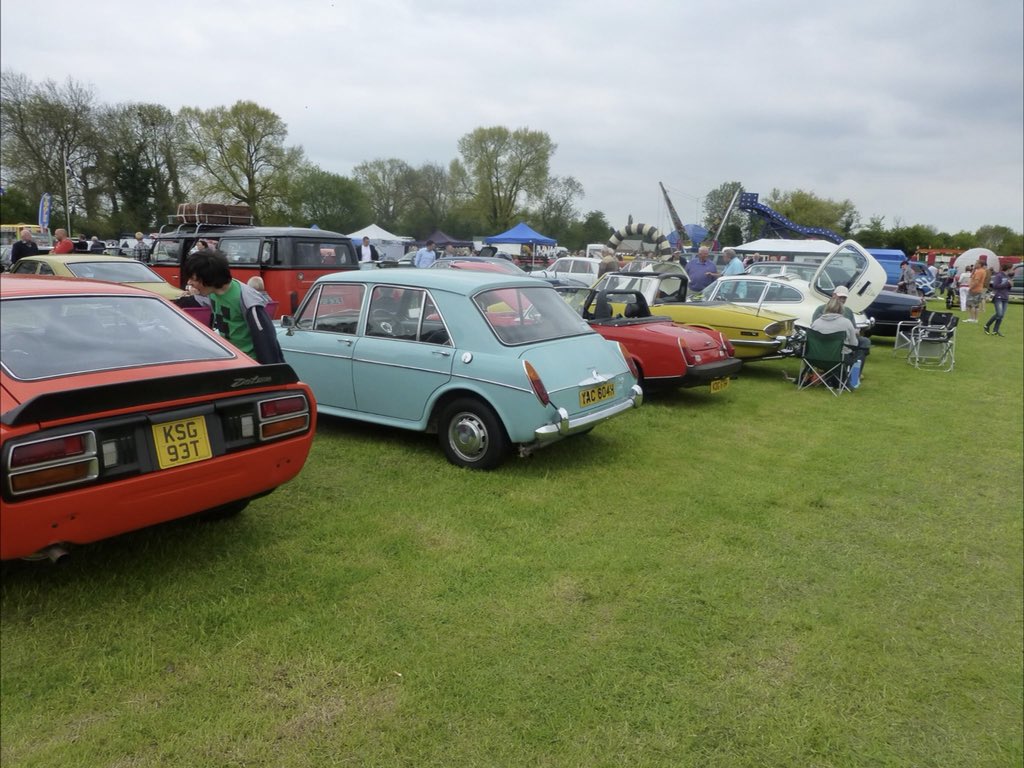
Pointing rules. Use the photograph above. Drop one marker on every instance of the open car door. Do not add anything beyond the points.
(852, 266)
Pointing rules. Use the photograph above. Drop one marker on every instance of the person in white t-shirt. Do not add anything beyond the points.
(368, 252)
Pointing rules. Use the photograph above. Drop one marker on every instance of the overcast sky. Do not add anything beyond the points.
(911, 109)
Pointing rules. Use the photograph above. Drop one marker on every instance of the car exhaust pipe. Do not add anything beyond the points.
(55, 553)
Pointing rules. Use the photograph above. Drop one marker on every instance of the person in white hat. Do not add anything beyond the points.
(842, 292)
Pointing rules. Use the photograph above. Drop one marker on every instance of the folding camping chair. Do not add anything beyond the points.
(933, 342)
(824, 360)
(904, 329)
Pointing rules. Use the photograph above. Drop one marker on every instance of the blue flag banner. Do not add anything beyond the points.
(45, 204)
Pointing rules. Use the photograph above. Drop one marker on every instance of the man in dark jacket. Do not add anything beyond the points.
(368, 252)
(26, 246)
(239, 312)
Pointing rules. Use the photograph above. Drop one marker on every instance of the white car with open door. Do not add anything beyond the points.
(849, 264)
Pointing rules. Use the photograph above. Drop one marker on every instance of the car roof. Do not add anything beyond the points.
(793, 280)
(778, 278)
(457, 280)
(281, 232)
(35, 285)
(76, 258)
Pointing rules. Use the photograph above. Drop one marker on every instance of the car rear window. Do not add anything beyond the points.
(127, 271)
(43, 337)
(526, 315)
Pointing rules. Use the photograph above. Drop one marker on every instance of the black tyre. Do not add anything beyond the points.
(471, 435)
(225, 511)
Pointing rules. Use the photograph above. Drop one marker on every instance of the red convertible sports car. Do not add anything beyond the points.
(117, 412)
(668, 355)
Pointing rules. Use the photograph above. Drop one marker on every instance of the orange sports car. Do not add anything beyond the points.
(117, 412)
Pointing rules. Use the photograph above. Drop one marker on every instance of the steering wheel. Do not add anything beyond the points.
(383, 321)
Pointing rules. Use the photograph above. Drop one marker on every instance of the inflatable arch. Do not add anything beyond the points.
(645, 232)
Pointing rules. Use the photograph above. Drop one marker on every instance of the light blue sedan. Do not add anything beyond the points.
(486, 361)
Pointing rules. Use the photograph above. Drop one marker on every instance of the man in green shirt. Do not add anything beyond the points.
(239, 312)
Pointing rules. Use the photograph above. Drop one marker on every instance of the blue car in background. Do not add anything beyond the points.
(488, 362)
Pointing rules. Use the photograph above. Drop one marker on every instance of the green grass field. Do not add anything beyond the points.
(763, 577)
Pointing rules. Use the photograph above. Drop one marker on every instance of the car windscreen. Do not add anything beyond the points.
(527, 315)
(126, 271)
(42, 337)
(165, 252)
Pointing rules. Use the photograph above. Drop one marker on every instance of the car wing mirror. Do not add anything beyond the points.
(288, 323)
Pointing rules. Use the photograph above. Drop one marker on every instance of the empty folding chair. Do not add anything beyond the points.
(903, 330)
(933, 342)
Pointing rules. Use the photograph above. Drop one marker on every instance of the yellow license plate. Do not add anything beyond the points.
(181, 442)
(596, 394)
(718, 385)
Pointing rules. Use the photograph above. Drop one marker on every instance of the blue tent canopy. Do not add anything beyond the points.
(521, 233)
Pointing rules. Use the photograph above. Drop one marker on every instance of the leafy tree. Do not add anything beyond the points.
(385, 184)
(17, 208)
(504, 168)
(909, 239)
(593, 228)
(43, 126)
(716, 203)
(240, 154)
(809, 210)
(557, 208)
(963, 240)
(996, 238)
(874, 234)
(130, 167)
(428, 201)
(328, 200)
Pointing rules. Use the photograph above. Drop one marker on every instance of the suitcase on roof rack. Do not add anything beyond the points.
(214, 213)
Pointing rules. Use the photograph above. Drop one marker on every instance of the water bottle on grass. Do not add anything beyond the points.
(855, 374)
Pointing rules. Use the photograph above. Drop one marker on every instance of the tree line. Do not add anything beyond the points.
(129, 165)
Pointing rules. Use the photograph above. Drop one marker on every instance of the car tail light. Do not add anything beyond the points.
(538, 386)
(283, 416)
(688, 356)
(283, 406)
(629, 361)
(916, 311)
(52, 463)
(56, 448)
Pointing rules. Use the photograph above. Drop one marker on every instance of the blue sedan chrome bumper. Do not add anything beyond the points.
(565, 426)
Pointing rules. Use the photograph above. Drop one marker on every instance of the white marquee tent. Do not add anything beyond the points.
(391, 247)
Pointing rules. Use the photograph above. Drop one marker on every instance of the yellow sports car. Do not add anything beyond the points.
(96, 266)
(755, 334)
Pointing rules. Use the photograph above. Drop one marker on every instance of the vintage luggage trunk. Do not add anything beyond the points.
(214, 213)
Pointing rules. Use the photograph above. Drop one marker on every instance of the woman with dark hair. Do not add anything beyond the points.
(1001, 283)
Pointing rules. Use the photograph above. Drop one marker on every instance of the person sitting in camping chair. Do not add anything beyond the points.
(831, 321)
(863, 346)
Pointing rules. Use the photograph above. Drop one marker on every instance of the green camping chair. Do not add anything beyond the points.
(824, 362)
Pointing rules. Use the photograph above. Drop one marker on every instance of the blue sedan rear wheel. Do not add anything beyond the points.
(472, 435)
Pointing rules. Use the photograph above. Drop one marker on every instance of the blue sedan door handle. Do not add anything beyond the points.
(346, 342)
(442, 352)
